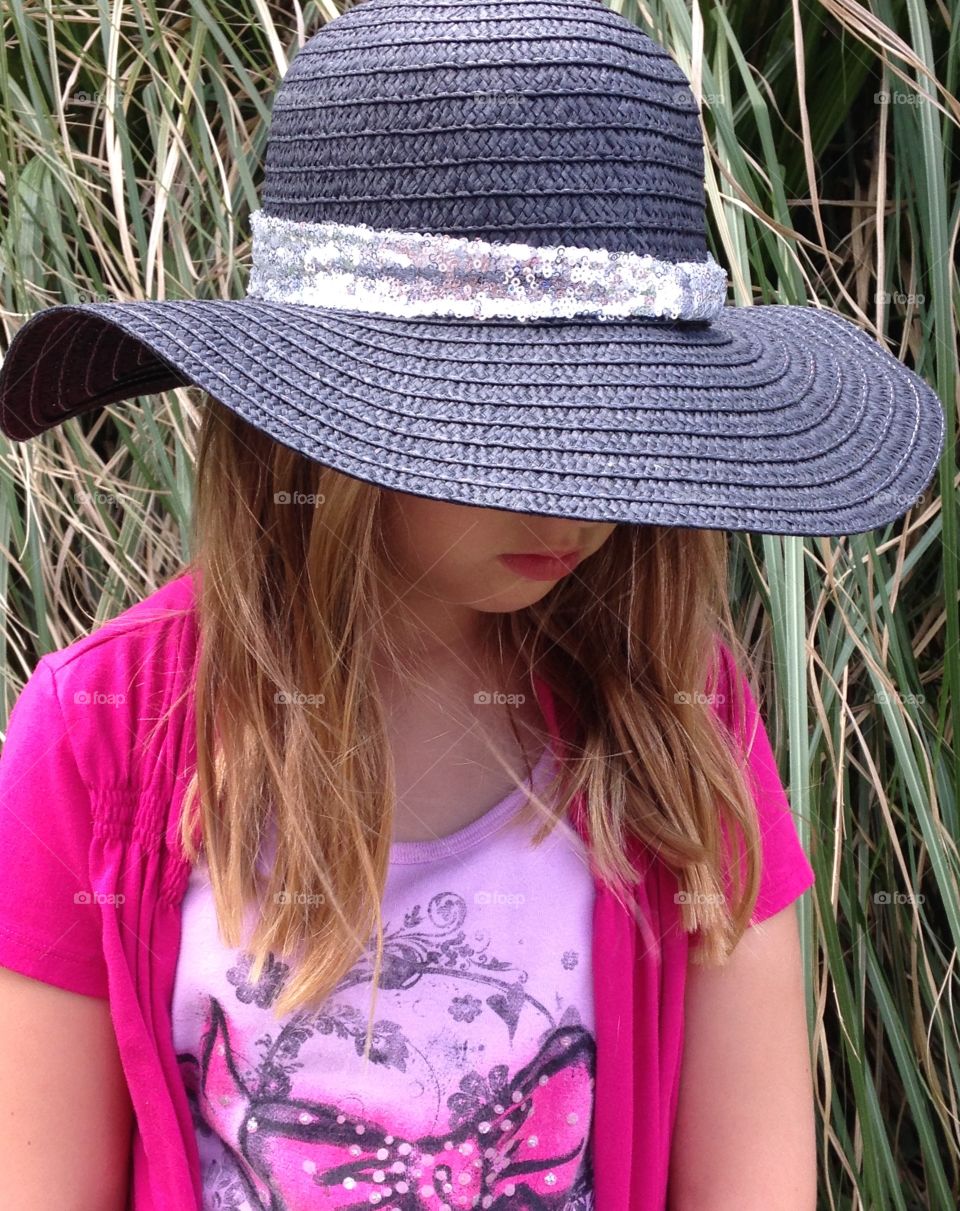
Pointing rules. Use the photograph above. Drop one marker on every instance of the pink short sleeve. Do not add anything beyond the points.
(785, 871)
(49, 923)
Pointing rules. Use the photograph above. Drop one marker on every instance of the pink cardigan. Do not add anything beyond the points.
(91, 882)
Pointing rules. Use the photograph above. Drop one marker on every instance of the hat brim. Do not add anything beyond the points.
(774, 418)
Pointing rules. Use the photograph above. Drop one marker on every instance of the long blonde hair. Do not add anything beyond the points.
(289, 725)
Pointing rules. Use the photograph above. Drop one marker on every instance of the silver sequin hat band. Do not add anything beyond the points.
(407, 273)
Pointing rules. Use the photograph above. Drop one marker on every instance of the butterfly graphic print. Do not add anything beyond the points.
(478, 1090)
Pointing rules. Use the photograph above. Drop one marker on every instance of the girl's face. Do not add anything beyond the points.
(454, 553)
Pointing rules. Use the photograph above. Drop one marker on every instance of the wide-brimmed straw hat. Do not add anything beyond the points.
(480, 274)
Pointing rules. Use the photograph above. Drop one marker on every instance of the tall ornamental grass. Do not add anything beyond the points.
(131, 142)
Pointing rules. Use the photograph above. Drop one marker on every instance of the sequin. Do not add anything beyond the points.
(409, 273)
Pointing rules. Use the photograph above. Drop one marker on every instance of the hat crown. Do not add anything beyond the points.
(544, 122)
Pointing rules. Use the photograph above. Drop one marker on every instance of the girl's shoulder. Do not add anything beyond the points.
(117, 691)
(149, 635)
(96, 746)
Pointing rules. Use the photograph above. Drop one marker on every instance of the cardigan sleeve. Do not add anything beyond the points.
(785, 870)
(49, 918)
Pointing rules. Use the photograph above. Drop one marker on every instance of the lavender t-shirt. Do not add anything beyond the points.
(479, 1089)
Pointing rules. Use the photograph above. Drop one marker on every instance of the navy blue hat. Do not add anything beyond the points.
(480, 274)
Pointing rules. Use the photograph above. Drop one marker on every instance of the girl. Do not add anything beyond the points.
(409, 848)
(381, 657)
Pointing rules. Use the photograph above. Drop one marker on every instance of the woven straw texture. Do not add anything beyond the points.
(547, 122)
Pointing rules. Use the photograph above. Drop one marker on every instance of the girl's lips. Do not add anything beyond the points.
(540, 567)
